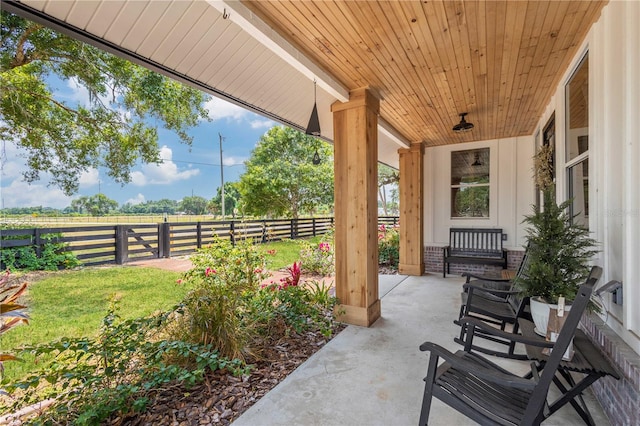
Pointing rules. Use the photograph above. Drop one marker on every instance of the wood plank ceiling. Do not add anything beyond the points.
(430, 60)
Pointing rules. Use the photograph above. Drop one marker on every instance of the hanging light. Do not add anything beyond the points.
(477, 162)
(463, 125)
(313, 128)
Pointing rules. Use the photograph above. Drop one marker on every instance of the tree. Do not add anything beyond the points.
(231, 198)
(194, 205)
(151, 207)
(112, 130)
(95, 205)
(280, 178)
(387, 176)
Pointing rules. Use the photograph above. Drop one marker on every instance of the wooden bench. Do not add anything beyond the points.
(475, 246)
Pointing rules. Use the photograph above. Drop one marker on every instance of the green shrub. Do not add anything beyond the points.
(117, 372)
(52, 257)
(318, 258)
(223, 278)
(388, 246)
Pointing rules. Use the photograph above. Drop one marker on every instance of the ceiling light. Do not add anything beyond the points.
(462, 126)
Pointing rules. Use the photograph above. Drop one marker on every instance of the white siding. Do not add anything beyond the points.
(511, 189)
(614, 154)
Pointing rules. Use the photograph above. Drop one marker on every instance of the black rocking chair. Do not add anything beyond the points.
(489, 394)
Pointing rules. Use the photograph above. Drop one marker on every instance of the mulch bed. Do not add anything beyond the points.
(222, 398)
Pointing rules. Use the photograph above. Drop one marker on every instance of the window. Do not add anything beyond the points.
(577, 142)
(470, 183)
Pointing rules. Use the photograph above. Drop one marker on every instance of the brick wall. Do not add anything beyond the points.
(433, 263)
(620, 399)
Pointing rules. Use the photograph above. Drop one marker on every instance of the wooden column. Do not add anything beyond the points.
(411, 210)
(355, 131)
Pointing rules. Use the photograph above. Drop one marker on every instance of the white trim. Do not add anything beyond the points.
(261, 32)
(389, 131)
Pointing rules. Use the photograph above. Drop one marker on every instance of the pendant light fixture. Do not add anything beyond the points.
(316, 158)
(313, 128)
(463, 125)
(477, 162)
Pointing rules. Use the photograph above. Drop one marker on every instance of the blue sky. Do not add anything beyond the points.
(185, 170)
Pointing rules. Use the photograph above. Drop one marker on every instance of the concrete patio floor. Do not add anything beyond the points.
(373, 376)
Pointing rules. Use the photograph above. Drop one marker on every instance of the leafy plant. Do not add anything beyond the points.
(52, 256)
(115, 373)
(12, 313)
(318, 258)
(559, 252)
(388, 246)
(223, 277)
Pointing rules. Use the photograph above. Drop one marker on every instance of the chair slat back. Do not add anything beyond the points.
(523, 270)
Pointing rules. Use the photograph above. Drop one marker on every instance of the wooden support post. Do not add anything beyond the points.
(411, 210)
(355, 137)
(122, 244)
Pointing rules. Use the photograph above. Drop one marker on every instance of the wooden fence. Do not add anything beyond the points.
(103, 244)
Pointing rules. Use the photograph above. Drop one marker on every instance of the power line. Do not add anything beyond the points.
(201, 164)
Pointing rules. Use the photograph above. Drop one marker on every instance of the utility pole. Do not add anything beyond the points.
(221, 175)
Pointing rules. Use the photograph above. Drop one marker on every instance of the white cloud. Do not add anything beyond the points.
(20, 194)
(138, 199)
(219, 109)
(261, 124)
(162, 174)
(232, 161)
(89, 178)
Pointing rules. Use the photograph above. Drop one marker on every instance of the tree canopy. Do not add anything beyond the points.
(194, 205)
(280, 177)
(231, 199)
(95, 205)
(112, 130)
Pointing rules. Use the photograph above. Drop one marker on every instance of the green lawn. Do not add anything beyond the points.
(73, 303)
(286, 252)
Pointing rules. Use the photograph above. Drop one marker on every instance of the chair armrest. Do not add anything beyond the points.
(489, 374)
(487, 329)
(470, 275)
(470, 287)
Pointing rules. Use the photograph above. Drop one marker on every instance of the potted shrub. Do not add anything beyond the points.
(559, 255)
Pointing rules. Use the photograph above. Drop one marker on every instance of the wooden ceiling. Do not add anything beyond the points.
(430, 60)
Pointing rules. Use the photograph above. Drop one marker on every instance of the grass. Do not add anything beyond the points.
(286, 252)
(73, 303)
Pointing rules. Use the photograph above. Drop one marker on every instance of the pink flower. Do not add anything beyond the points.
(324, 247)
(271, 252)
(382, 228)
(178, 281)
(257, 271)
(209, 271)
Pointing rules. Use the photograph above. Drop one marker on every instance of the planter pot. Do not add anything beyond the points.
(540, 313)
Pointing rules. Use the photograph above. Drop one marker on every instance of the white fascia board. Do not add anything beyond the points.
(260, 31)
(389, 131)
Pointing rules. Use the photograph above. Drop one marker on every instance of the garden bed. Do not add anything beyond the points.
(222, 398)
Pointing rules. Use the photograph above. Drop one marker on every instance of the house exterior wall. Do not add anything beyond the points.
(511, 191)
(613, 45)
